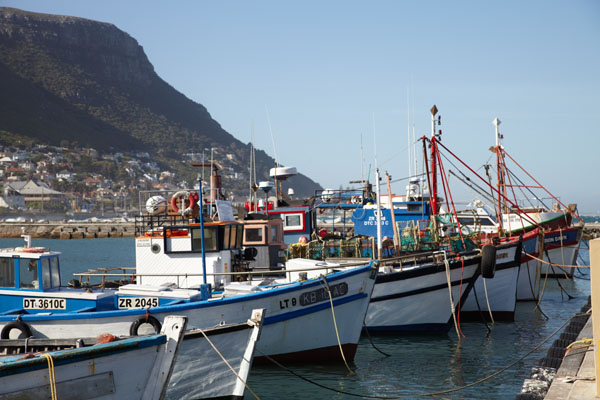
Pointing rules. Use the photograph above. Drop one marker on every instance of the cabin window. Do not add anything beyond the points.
(28, 274)
(227, 237)
(466, 221)
(234, 236)
(254, 235)
(210, 239)
(414, 207)
(55, 272)
(293, 222)
(239, 237)
(7, 272)
(487, 222)
(274, 233)
(46, 282)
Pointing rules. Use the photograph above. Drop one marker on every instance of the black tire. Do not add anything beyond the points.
(18, 325)
(556, 352)
(488, 261)
(135, 325)
(550, 362)
(570, 336)
(561, 343)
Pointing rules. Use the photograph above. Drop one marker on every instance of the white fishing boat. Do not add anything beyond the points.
(134, 368)
(298, 324)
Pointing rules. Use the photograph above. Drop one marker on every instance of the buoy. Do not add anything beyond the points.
(191, 197)
(302, 239)
(156, 205)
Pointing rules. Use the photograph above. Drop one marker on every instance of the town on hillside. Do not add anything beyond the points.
(62, 180)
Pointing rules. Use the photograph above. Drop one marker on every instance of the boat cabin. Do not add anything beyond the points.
(170, 252)
(264, 234)
(30, 283)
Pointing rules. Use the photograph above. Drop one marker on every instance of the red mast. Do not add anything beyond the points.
(434, 197)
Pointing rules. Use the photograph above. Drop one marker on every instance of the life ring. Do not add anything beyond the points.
(146, 319)
(191, 197)
(31, 249)
(18, 325)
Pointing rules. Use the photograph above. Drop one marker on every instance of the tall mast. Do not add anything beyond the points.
(499, 172)
(434, 203)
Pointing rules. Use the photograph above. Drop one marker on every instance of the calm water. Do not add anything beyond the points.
(417, 365)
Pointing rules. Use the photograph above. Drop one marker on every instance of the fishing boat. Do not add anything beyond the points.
(298, 325)
(211, 363)
(133, 368)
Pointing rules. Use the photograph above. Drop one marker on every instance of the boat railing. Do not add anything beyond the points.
(105, 273)
(147, 223)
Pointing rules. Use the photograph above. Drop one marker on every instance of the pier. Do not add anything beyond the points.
(67, 230)
(578, 377)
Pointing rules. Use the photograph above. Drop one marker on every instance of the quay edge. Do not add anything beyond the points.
(67, 230)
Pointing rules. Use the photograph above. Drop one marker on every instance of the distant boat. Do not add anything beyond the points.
(133, 368)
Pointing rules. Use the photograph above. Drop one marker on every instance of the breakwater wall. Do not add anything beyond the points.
(67, 230)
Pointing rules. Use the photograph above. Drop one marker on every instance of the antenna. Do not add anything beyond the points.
(408, 110)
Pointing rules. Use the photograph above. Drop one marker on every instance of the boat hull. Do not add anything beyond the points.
(500, 291)
(417, 299)
(298, 315)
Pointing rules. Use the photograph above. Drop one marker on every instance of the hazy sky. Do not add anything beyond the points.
(330, 74)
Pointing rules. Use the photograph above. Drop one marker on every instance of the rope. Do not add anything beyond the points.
(432, 394)
(585, 341)
(452, 308)
(366, 330)
(553, 264)
(229, 365)
(51, 376)
(487, 300)
(337, 334)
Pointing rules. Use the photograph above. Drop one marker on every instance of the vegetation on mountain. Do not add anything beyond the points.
(71, 82)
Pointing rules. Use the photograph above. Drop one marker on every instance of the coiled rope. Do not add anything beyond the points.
(431, 394)
(337, 334)
(229, 365)
(51, 376)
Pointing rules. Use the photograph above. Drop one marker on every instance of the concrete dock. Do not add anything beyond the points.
(576, 377)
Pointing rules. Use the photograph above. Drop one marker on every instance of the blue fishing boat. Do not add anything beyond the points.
(133, 368)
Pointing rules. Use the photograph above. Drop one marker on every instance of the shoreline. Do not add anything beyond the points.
(67, 230)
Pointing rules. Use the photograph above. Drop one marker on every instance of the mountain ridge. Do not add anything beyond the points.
(81, 80)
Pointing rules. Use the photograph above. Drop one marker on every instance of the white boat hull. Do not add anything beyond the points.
(418, 298)
(298, 316)
(501, 289)
(115, 370)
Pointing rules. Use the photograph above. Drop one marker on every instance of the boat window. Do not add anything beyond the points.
(254, 235)
(46, 282)
(239, 237)
(55, 272)
(274, 233)
(7, 272)
(233, 237)
(487, 222)
(414, 207)
(210, 239)
(292, 222)
(226, 236)
(28, 274)
(466, 221)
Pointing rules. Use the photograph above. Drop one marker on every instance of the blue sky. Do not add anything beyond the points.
(332, 72)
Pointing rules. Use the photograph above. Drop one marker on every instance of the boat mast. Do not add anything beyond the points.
(434, 197)
(500, 174)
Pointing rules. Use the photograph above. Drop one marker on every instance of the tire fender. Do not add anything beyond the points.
(135, 325)
(19, 325)
(488, 261)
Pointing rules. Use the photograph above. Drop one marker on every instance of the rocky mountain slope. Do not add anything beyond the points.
(87, 82)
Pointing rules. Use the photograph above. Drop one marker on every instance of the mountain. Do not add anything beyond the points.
(86, 82)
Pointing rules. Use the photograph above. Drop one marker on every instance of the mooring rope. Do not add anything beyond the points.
(51, 376)
(452, 308)
(554, 264)
(431, 394)
(337, 334)
(229, 365)
(487, 300)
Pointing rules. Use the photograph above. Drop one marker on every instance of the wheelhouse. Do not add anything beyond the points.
(24, 270)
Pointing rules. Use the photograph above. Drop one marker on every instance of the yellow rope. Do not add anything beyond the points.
(582, 341)
(51, 376)
(337, 334)
(229, 365)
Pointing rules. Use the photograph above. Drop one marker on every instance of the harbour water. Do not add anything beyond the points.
(416, 365)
